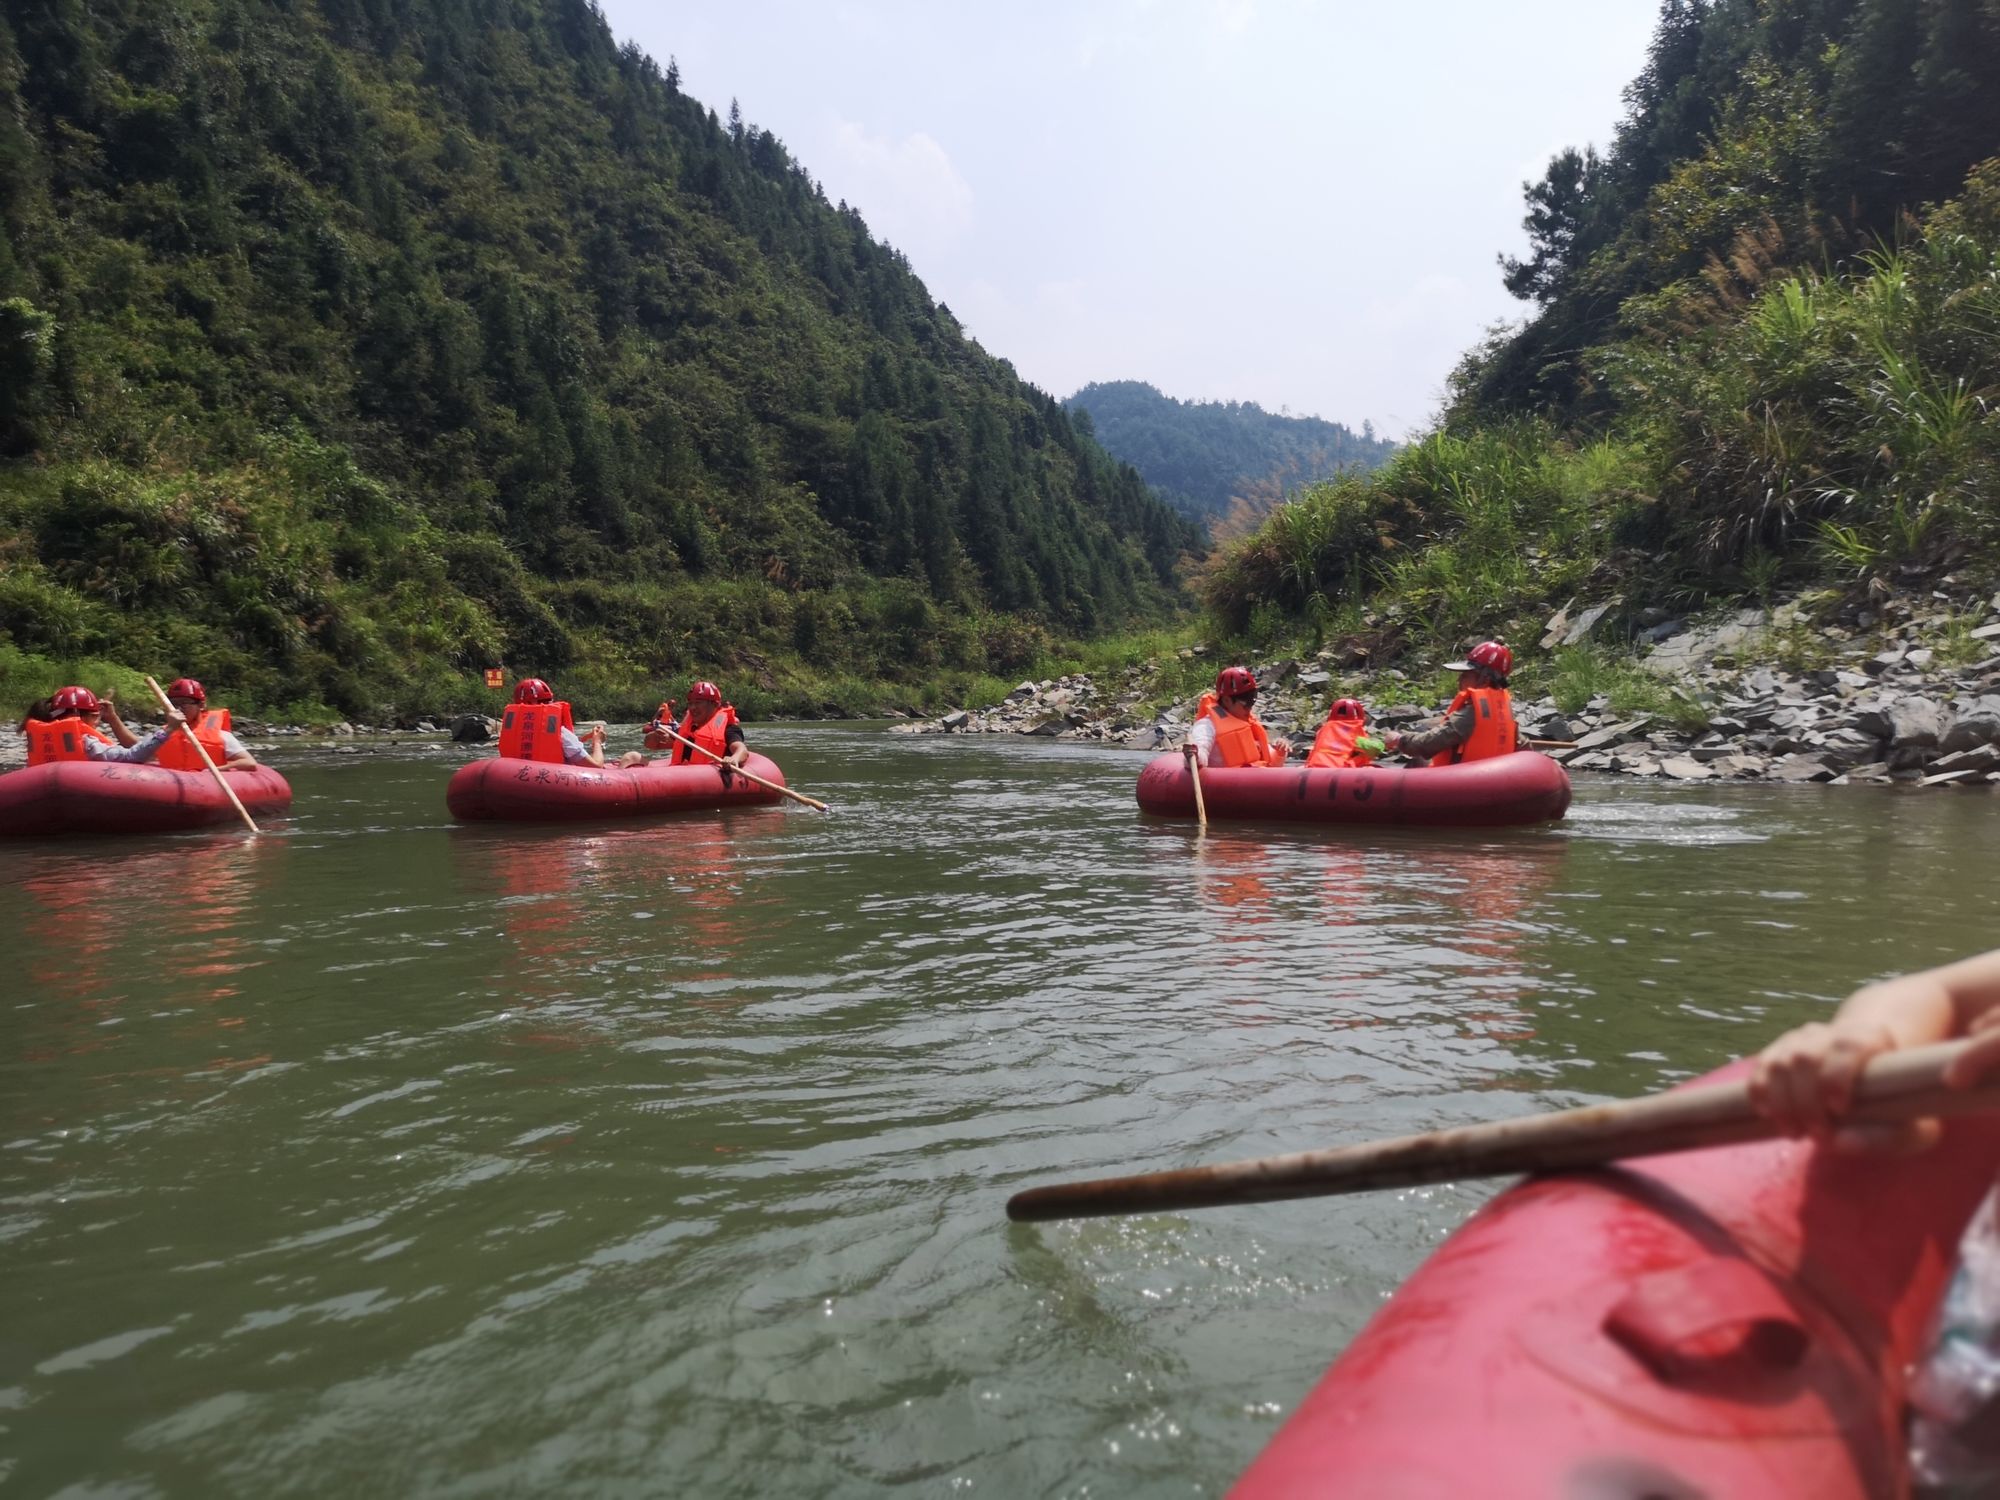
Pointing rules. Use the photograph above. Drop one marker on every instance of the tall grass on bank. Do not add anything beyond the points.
(1833, 426)
(1455, 531)
(1844, 421)
(1574, 676)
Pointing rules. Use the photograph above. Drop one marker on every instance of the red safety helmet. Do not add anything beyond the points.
(1491, 655)
(704, 692)
(1347, 708)
(533, 690)
(82, 699)
(1235, 682)
(187, 687)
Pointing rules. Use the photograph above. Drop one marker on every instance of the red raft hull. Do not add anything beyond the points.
(528, 791)
(80, 796)
(1507, 790)
(1733, 1322)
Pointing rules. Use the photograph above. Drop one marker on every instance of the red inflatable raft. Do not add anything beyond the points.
(80, 796)
(531, 791)
(1722, 1323)
(1507, 789)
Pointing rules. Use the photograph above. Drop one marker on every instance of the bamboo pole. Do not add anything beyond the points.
(1200, 806)
(202, 750)
(747, 775)
(1895, 1088)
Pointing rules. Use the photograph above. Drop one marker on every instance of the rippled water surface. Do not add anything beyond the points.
(380, 1156)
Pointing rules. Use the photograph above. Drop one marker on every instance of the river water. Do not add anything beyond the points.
(380, 1156)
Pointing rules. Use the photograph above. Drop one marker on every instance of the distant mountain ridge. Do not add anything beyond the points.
(1227, 462)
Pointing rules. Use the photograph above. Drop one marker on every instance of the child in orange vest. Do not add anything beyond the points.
(1343, 742)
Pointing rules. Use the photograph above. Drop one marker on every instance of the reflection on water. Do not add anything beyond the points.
(379, 1155)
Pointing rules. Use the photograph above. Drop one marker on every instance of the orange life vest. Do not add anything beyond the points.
(533, 731)
(1334, 745)
(178, 755)
(1242, 742)
(712, 736)
(60, 739)
(1493, 729)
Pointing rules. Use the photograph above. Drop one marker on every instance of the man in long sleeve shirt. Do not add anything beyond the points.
(1480, 721)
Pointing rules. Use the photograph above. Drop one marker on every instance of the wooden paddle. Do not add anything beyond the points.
(202, 750)
(1895, 1087)
(738, 770)
(1200, 807)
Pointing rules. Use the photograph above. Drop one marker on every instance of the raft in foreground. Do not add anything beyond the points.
(532, 791)
(1503, 791)
(1714, 1323)
(82, 796)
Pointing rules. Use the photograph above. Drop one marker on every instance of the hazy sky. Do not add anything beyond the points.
(1278, 201)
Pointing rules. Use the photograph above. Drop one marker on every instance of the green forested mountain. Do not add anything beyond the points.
(1228, 462)
(1759, 134)
(1765, 351)
(350, 345)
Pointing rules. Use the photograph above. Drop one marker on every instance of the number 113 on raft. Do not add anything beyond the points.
(1502, 791)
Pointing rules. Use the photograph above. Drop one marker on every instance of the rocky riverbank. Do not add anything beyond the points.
(1900, 689)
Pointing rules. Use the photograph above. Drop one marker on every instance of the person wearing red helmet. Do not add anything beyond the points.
(1479, 724)
(711, 724)
(1229, 734)
(1342, 741)
(69, 731)
(537, 726)
(44, 711)
(210, 726)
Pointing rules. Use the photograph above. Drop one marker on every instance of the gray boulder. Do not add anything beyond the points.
(1581, 627)
(1918, 723)
(1614, 734)
(1978, 758)
(1800, 768)
(1277, 673)
(1977, 723)
(1739, 765)
(1682, 768)
(1548, 727)
(1847, 748)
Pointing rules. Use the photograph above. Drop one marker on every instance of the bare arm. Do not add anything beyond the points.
(1805, 1080)
(576, 752)
(124, 736)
